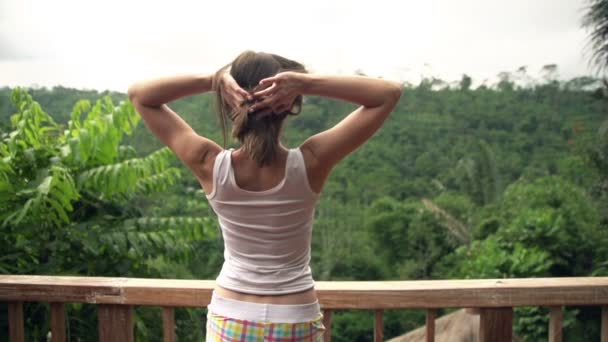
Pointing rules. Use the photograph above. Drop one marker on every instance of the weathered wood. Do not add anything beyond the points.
(556, 318)
(604, 324)
(15, 322)
(496, 325)
(327, 324)
(332, 295)
(463, 293)
(472, 311)
(495, 298)
(431, 315)
(115, 322)
(58, 322)
(379, 326)
(103, 290)
(168, 324)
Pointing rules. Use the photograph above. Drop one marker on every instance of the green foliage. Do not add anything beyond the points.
(478, 175)
(499, 181)
(531, 323)
(352, 326)
(68, 195)
(341, 250)
(545, 227)
(408, 237)
(598, 157)
(597, 153)
(493, 258)
(558, 216)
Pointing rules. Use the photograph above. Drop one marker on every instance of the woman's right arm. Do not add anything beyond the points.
(376, 97)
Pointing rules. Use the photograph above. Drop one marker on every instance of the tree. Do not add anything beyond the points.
(478, 174)
(465, 82)
(67, 200)
(596, 21)
(546, 227)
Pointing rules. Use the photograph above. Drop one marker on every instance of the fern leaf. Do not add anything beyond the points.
(159, 181)
(130, 176)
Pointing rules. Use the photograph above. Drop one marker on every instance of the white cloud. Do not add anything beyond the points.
(110, 43)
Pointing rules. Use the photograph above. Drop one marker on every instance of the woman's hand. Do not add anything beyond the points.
(280, 92)
(234, 95)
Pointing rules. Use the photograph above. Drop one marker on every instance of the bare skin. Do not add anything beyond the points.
(321, 152)
(252, 178)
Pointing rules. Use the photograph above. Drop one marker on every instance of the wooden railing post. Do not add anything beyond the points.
(57, 322)
(431, 315)
(556, 318)
(496, 325)
(327, 324)
(604, 324)
(115, 322)
(168, 324)
(379, 326)
(15, 322)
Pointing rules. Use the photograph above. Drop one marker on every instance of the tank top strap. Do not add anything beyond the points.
(221, 171)
(295, 163)
(296, 170)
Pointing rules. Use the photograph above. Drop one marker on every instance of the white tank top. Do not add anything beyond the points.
(266, 233)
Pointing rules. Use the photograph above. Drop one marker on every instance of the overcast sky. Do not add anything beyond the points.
(108, 44)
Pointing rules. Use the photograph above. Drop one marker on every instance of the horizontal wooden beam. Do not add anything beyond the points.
(332, 295)
(105, 290)
(490, 293)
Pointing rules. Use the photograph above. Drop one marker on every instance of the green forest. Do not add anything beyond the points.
(494, 181)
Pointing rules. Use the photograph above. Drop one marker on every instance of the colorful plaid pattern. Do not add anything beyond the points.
(224, 329)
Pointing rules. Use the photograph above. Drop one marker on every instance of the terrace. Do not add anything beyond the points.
(492, 299)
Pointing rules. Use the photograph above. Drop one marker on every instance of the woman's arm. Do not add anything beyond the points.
(150, 99)
(156, 92)
(366, 91)
(377, 98)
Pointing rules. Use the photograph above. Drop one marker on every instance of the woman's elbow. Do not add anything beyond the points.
(134, 92)
(393, 92)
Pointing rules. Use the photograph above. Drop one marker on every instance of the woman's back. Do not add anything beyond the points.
(266, 233)
(249, 176)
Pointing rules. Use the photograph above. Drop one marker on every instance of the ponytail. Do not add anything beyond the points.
(259, 136)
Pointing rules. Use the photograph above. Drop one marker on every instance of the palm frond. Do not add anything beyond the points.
(454, 226)
(596, 21)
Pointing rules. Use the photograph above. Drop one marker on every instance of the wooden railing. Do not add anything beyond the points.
(494, 301)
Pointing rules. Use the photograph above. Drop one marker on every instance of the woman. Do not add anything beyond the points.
(264, 193)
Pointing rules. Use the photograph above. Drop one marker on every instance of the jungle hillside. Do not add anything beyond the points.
(497, 180)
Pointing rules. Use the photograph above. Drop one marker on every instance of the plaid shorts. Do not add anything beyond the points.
(225, 329)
